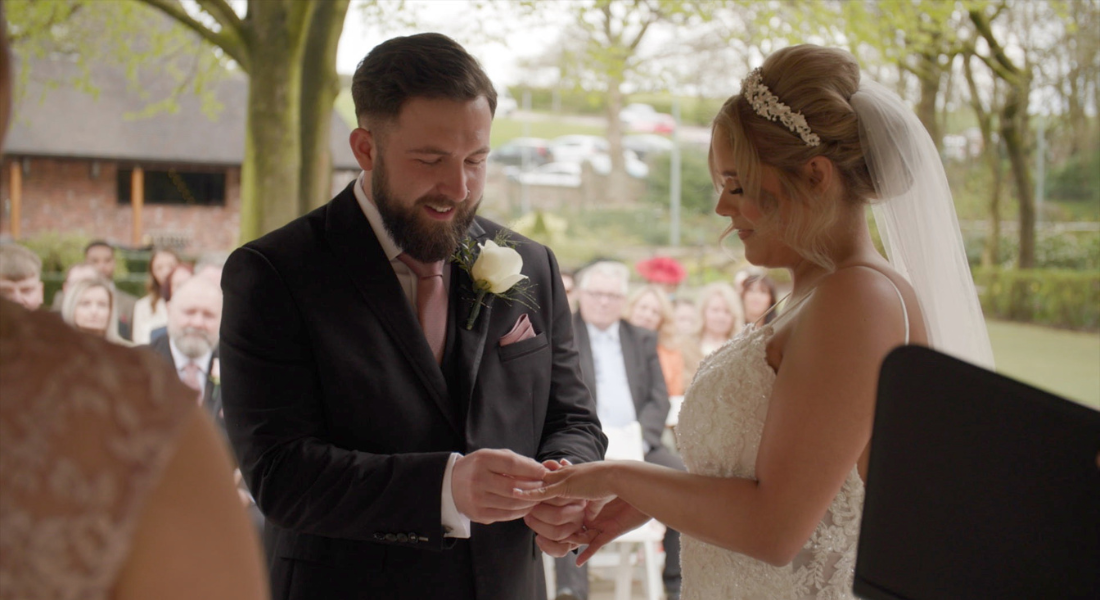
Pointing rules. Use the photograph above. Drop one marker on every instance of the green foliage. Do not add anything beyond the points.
(58, 251)
(1078, 179)
(1058, 298)
(697, 195)
(1053, 250)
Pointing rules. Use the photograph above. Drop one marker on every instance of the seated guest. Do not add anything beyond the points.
(758, 296)
(720, 317)
(77, 272)
(619, 363)
(89, 306)
(649, 308)
(175, 279)
(194, 316)
(21, 276)
(101, 255)
(686, 317)
(151, 310)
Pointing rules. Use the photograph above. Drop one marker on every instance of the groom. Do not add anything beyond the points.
(380, 435)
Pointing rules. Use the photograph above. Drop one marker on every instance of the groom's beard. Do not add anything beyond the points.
(422, 238)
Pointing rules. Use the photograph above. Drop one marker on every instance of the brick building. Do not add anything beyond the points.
(72, 160)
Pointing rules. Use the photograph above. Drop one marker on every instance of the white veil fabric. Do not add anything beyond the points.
(916, 220)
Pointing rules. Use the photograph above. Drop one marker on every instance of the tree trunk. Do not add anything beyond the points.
(929, 75)
(617, 180)
(320, 85)
(1014, 131)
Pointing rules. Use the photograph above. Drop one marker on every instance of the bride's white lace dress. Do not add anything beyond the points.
(719, 434)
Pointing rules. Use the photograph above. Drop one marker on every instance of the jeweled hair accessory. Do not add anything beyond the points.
(767, 105)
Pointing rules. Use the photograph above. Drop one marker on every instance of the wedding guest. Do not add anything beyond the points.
(101, 255)
(686, 316)
(776, 429)
(89, 306)
(114, 484)
(758, 296)
(620, 363)
(191, 343)
(648, 307)
(720, 316)
(77, 272)
(176, 278)
(664, 271)
(151, 311)
(21, 276)
(569, 283)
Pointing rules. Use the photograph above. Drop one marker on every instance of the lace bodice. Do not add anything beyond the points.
(719, 434)
(86, 428)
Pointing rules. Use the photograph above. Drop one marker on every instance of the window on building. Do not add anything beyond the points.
(176, 186)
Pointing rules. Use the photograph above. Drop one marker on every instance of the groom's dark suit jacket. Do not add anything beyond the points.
(343, 422)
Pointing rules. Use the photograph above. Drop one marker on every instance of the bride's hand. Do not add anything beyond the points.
(608, 522)
(587, 481)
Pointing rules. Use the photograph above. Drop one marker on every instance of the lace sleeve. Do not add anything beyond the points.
(86, 428)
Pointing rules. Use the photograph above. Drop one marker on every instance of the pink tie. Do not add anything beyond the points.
(191, 378)
(431, 302)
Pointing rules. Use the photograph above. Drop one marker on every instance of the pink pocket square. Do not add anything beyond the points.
(522, 330)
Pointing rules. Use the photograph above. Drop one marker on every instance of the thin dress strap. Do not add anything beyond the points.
(788, 310)
(904, 310)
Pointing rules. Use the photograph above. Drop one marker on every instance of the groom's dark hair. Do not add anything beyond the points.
(427, 65)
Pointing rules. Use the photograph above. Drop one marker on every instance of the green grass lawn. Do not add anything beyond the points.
(1066, 363)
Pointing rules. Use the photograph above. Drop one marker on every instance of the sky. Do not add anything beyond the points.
(498, 46)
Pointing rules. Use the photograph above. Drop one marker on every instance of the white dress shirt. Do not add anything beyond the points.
(181, 360)
(455, 524)
(614, 404)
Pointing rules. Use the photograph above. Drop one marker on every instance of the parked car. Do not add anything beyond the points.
(557, 174)
(576, 148)
(535, 150)
(646, 144)
(506, 104)
(644, 118)
(635, 167)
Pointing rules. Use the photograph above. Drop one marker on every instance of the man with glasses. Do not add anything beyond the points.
(620, 366)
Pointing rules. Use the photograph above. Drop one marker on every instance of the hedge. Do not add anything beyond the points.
(1058, 298)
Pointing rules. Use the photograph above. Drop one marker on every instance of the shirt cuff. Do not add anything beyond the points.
(455, 524)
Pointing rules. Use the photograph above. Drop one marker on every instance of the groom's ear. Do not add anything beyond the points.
(364, 145)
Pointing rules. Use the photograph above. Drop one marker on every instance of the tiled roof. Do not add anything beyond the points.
(54, 118)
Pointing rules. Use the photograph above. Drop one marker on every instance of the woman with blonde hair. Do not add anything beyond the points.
(775, 428)
(650, 308)
(89, 306)
(720, 316)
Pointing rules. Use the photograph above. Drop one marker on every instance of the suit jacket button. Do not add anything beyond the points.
(402, 538)
(391, 537)
(414, 538)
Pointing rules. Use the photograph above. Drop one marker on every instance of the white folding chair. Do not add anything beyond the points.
(625, 443)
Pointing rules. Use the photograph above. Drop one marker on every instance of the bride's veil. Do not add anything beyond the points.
(916, 219)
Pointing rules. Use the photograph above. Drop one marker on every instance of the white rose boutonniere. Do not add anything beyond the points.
(494, 266)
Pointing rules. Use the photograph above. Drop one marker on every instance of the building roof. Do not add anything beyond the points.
(54, 118)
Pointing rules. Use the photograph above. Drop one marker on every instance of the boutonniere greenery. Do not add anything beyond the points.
(216, 372)
(494, 266)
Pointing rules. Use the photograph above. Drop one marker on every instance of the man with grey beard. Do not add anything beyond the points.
(194, 317)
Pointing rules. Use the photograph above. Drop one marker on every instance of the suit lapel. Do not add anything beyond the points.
(466, 347)
(355, 244)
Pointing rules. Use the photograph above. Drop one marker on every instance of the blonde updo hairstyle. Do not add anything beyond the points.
(817, 82)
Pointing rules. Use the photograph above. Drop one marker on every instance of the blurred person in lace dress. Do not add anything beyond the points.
(775, 428)
(113, 484)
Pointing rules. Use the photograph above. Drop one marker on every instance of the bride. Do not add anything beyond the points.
(776, 426)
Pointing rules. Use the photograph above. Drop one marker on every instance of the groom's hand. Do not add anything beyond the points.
(556, 519)
(482, 484)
